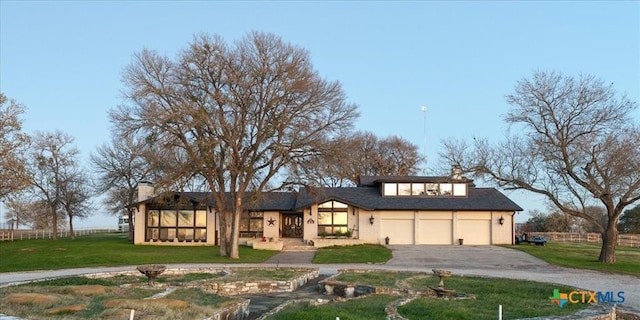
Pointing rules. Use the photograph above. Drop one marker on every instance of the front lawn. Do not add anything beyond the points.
(365, 253)
(584, 256)
(109, 249)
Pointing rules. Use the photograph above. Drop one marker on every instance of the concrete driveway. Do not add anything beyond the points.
(465, 257)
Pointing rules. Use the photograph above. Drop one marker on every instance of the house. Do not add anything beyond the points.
(442, 210)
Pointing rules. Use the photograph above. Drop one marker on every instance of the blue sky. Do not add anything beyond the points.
(63, 59)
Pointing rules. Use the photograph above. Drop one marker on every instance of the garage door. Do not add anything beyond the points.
(475, 231)
(398, 231)
(434, 231)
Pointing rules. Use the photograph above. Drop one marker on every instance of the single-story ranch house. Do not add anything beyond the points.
(391, 209)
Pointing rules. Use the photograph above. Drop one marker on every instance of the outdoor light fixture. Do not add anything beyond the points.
(372, 219)
(501, 220)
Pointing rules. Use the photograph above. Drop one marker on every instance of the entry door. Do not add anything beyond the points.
(292, 225)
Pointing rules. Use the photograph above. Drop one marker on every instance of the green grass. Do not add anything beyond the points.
(366, 308)
(378, 278)
(109, 249)
(365, 253)
(519, 299)
(585, 256)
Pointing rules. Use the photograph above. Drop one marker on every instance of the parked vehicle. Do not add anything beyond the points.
(537, 240)
(123, 224)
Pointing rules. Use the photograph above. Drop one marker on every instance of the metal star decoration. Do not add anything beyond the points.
(272, 221)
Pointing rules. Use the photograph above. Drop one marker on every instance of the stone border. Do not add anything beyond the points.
(593, 312)
(232, 310)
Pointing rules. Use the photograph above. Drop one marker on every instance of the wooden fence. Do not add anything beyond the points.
(624, 240)
(11, 235)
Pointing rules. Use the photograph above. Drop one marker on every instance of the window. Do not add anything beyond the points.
(251, 224)
(390, 189)
(183, 225)
(459, 189)
(417, 189)
(404, 189)
(444, 189)
(332, 218)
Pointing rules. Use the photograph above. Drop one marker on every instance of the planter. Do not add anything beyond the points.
(461, 241)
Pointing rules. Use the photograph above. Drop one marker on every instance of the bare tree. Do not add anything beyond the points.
(346, 158)
(119, 167)
(13, 144)
(34, 214)
(52, 165)
(576, 145)
(76, 197)
(234, 114)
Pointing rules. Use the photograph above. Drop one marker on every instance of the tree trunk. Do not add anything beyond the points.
(54, 222)
(130, 226)
(235, 229)
(609, 241)
(223, 233)
(71, 233)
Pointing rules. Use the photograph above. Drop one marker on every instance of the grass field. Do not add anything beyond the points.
(108, 249)
(585, 256)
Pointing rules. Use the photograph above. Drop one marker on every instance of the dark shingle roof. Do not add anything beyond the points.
(369, 198)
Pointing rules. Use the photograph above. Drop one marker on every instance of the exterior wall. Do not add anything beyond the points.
(212, 221)
(140, 222)
(310, 217)
(274, 230)
(367, 231)
(502, 234)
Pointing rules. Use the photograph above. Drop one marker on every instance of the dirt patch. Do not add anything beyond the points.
(30, 298)
(26, 249)
(126, 303)
(88, 290)
(67, 309)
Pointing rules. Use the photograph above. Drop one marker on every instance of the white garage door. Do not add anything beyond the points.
(435, 231)
(475, 231)
(398, 231)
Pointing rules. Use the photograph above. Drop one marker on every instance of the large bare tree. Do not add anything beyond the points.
(13, 145)
(576, 144)
(53, 170)
(346, 158)
(235, 114)
(76, 197)
(119, 167)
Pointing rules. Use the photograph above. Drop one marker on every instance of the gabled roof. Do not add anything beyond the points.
(368, 198)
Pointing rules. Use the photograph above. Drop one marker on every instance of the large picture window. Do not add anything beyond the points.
(251, 224)
(183, 225)
(332, 218)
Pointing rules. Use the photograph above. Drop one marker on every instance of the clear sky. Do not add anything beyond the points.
(63, 59)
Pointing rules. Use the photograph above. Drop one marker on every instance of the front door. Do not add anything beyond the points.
(292, 225)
